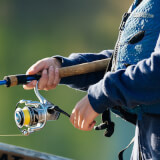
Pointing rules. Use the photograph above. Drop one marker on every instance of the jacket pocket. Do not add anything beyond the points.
(137, 37)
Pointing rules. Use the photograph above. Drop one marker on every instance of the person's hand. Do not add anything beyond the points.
(49, 67)
(83, 116)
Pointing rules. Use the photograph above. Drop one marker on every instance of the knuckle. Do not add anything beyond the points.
(76, 110)
(34, 67)
(56, 78)
(26, 88)
(84, 129)
(55, 83)
(51, 71)
(54, 86)
(45, 76)
(71, 120)
(77, 107)
(85, 126)
(40, 87)
(49, 85)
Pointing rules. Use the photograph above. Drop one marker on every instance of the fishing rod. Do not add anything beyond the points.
(13, 80)
(34, 115)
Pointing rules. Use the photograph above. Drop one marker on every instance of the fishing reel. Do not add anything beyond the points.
(34, 114)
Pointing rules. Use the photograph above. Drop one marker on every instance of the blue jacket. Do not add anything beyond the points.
(136, 86)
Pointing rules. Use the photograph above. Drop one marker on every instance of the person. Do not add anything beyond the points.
(130, 88)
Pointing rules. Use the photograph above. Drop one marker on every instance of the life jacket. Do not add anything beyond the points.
(138, 37)
(139, 31)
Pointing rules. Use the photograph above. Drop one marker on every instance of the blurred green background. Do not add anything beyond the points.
(32, 30)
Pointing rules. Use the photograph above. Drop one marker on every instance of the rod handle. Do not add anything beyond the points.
(84, 68)
(13, 80)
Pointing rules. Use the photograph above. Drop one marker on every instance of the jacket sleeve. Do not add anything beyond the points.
(136, 85)
(82, 82)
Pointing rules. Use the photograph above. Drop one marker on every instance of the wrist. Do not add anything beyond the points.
(98, 99)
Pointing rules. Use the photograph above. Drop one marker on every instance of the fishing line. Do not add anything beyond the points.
(11, 135)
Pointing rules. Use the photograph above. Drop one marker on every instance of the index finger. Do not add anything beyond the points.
(30, 85)
(35, 68)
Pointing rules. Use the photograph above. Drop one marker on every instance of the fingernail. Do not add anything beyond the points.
(73, 110)
(45, 71)
(30, 70)
(51, 67)
(34, 83)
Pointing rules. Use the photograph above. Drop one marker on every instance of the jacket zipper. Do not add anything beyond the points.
(121, 28)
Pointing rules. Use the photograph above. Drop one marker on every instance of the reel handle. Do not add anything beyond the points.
(13, 80)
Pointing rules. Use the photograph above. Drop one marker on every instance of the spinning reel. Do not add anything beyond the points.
(35, 114)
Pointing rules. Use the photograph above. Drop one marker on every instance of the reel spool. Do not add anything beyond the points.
(35, 114)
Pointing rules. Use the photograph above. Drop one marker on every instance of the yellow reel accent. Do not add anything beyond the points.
(27, 117)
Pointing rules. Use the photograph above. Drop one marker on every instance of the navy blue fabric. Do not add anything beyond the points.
(138, 84)
(149, 137)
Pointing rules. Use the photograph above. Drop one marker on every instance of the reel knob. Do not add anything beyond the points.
(18, 118)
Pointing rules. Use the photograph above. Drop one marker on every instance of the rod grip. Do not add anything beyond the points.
(13, 80)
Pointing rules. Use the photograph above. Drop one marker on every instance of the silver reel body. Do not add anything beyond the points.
(35, 114)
